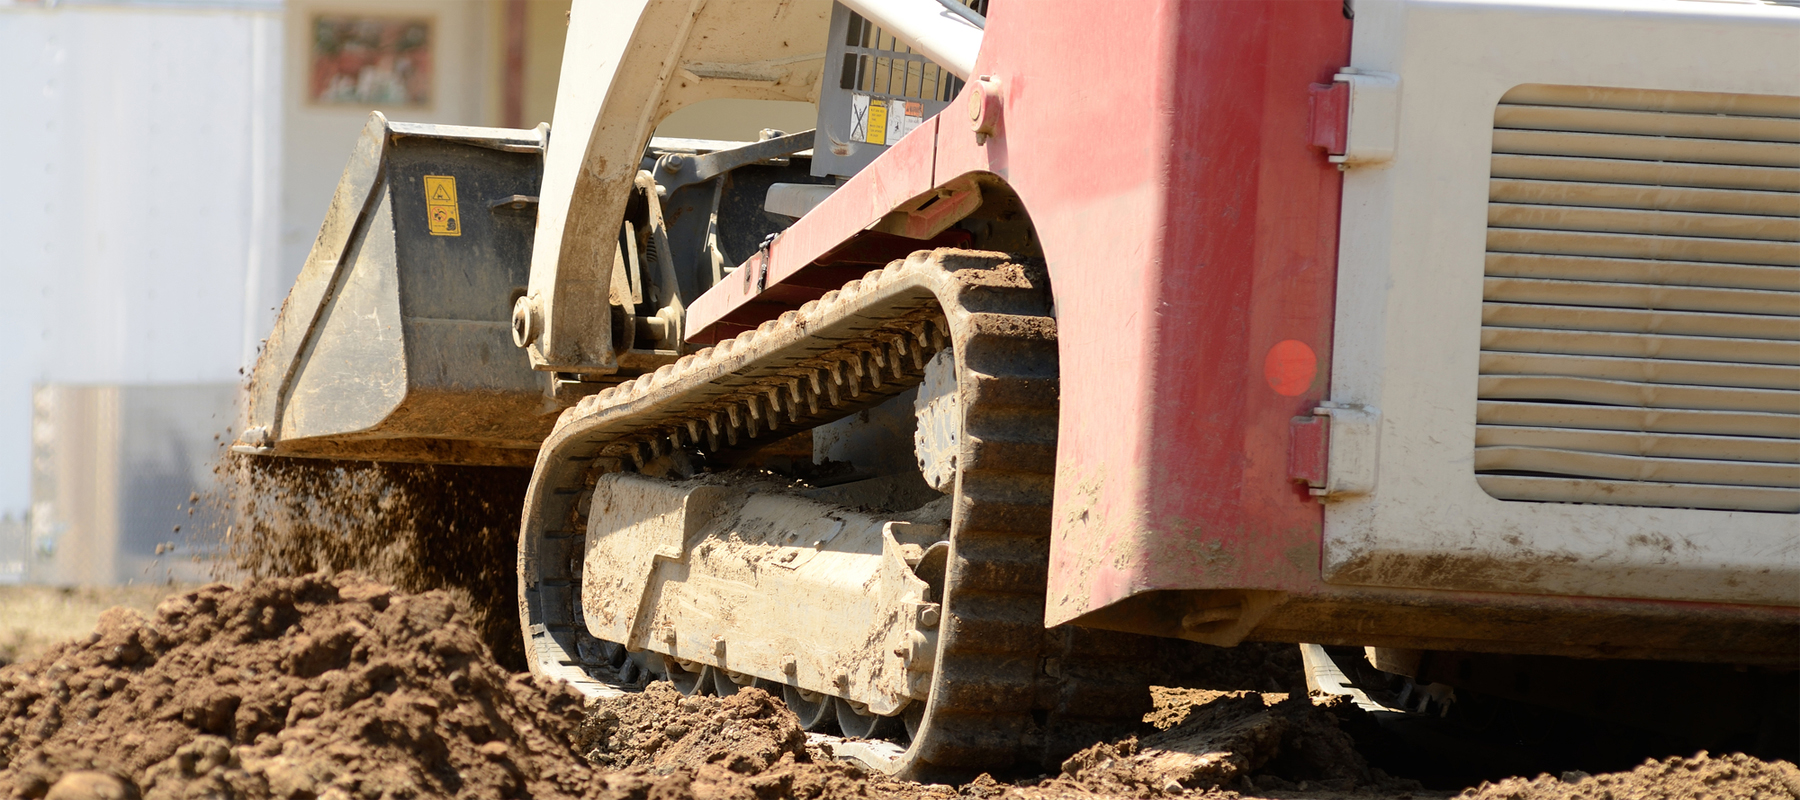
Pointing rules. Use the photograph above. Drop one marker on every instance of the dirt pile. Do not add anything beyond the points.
(747, 745)
(418, 527)
(662, 730)
(333, 686)
(1701, 776)
(308, 687)
(1239, 739)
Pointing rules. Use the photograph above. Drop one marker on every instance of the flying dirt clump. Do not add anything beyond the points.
(416, 526)
(309, 687)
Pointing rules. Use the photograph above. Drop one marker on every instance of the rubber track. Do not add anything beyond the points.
(992, 703)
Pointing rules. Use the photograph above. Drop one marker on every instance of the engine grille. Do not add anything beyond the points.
(1640, 340)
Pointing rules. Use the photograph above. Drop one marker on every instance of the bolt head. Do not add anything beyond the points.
(984, 106)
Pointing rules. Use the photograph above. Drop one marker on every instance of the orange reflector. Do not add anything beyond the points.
(1290, 367)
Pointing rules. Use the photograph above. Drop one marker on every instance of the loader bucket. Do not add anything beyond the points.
(395, 342)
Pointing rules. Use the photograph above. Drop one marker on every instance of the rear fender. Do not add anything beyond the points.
(1190, 232)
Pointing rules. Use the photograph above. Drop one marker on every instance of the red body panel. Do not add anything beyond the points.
(1163, 153)
(1238, 255)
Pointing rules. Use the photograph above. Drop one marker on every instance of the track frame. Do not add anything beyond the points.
(1000, 695)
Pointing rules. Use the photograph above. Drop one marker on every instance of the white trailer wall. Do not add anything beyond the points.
(140, 150)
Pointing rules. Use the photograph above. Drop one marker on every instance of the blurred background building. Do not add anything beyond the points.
(164, 166)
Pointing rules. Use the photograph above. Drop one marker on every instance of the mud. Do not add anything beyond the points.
(418, 527)
(1700, 776)
(308, 687)
(332, 686)
(661, 730)
(1248, 740)
(748, 745)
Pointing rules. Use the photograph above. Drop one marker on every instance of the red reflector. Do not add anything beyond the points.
(1290, 367)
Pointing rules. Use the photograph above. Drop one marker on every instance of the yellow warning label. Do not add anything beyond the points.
(440, 206)
(878, 111)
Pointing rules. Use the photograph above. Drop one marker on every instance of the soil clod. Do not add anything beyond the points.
(315, 686)
(1700, 776)
(1214, 739)
(663, 731)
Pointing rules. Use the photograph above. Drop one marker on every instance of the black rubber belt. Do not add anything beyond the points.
(992, 703)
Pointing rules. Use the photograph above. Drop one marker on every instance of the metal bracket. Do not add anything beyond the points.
(677, 170)
(762, 262)
(1373, 123)
(1329, 107)
(1353, 443)
(933, 212)
(1307, 455)
(514, 202)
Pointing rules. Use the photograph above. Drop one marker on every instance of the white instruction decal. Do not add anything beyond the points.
(859, 118)
(903, 116)
(875, 120)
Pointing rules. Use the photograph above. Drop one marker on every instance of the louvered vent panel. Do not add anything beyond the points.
(1640, 340)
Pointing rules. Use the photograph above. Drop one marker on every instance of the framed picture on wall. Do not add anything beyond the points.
(370, 61)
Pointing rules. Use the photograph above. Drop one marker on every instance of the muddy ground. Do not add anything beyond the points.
(373, 652)
(336, 686)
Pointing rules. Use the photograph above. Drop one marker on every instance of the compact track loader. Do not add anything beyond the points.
(1078, 335)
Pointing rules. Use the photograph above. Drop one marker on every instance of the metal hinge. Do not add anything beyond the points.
(1356, 117)
(1333, 452)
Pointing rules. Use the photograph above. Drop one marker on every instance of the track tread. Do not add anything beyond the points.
(851, 349)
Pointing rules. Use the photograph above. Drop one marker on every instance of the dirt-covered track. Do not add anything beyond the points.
(993, 699)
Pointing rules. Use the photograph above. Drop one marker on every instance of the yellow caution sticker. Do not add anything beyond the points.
(440, 206)
(878, 122)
